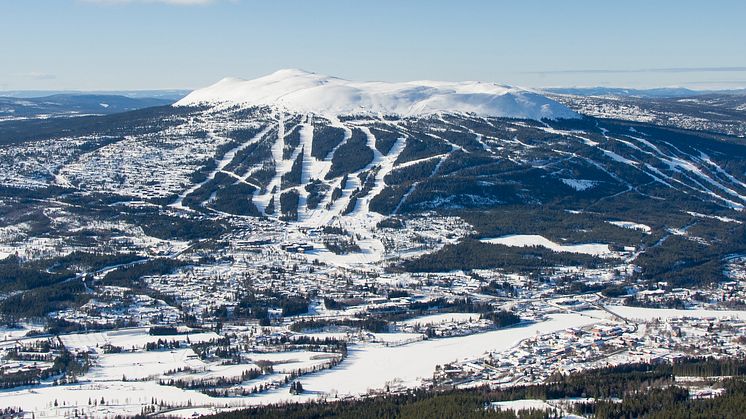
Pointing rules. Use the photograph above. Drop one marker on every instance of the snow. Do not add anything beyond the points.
(561, 405)
(370, 366)
(385, 165)
(639, 313)
(221, 164)
(409, 364)
(616, 157)
(127, 338)
(526, 240)
(122, 398)
(11, 333)
(699, 215)
(286, 362)
(632, 226)
(302, 92)
(442, 318)
(399, 338)
(142, 365)
(525, 404)
(579, 184)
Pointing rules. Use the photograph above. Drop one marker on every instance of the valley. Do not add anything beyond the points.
(212, 255)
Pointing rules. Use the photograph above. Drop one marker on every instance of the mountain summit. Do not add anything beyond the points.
(302, 91)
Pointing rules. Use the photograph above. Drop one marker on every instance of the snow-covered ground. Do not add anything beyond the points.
(639, 313)
(142, 365)
(632, 226)
(10, 333)
(442, 318)
(409, 364)
(579, 184)
(127, 338)
(368, 366)
(302, 91)
(526, 240)
(525, 404)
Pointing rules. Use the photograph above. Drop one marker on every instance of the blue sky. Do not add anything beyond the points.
(150, 44)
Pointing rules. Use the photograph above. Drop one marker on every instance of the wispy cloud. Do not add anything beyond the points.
(171, 2)
(645, 70)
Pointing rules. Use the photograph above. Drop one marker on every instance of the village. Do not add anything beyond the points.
(274, 315)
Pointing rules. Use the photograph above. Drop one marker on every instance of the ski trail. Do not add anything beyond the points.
(318, 170)
(221, 164)
(306, 142)
(414, 185)
(690, 170)
(240, 179)
(353, 181)
(422, 160)
(322, 170)
(705, 158)
(261, 200)
(385, 165)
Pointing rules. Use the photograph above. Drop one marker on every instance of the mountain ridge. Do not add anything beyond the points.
(302, 91)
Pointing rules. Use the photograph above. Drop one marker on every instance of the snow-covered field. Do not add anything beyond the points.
(639, 313)
(368, 366)
(442, 318)
(526, 240)
(141, 365)
(10, 333)
(127, 338)
(525, 404)
(632, 226)
(409, 364)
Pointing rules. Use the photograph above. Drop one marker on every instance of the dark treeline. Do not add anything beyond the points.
(125, 276)
(353, 155)
(325, 138)
(473, 254)
(370, 324)
(672, 402)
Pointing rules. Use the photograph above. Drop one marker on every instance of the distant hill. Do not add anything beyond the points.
(662, 92)
(65, 105)
(302, 91)
(170, 94)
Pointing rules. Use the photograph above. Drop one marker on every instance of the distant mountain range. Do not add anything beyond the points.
(299, 90)
(65, 105)
(661, 92)
(168, 94)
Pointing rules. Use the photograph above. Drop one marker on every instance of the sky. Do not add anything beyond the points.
(165, 44)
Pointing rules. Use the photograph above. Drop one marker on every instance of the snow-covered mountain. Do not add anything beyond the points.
(301, 91)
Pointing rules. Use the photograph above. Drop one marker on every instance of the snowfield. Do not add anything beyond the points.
(142, 365)
(442, 318)
(409, 364)
(127, 338)
(526, 240)
(638, 313)
(632, 226)
(301, 91)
